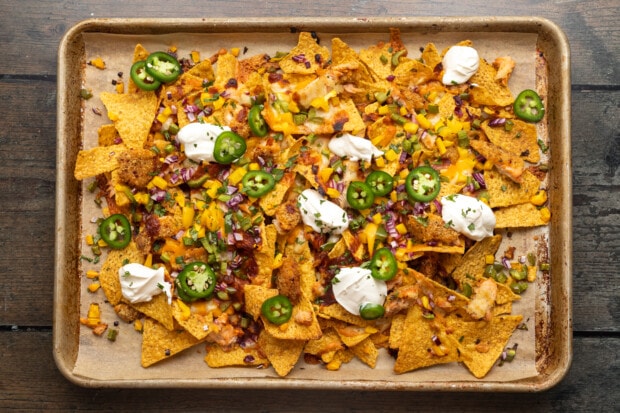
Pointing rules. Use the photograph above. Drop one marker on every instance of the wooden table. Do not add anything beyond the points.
(30, 32)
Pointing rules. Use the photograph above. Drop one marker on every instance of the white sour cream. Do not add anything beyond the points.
(198, 140)
(354, 286)
(320, 214)
(140, 283)
(459, 64)
(353, 147)
(468, 215)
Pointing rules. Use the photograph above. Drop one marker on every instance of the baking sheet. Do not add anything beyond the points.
(99, 361)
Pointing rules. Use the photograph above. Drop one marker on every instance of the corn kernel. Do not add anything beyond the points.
(91, 274)
(120, 87)
(148, 261)
(489, 259)
(432, 96)
(254, 166)
(325, 173)
(391, 155)
(188, 216)
(185, 310)
(159, 182)
(277, 261)
(401, 228)
(234, 51)
(377, 218)
(237, 176)
(545, 214)
(195, 56)
(137, 325)
(380, 162)
(212, 186)
(403, 111)
(423, 122)
(332, 193)
(411, 127)
(98, 63)
(93, 287)
(488, 165)
(393, 196)
(540, 198)
(90, 240)
(426, 303)
(440, 146)
(383, 110)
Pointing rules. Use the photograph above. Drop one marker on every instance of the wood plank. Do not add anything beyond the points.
(30, 33)
(596, 209)
(27, 190)
(31, 381)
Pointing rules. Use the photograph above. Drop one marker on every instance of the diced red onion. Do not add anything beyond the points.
(506, 263)
(170, 159)
(438, 206)
(419, 208)
(191, 116)
(497, 122)
(390, 226)
(231, 189)
(235, 200)
(174, 178)
(158, 195)
(480, 179)
(403, 157)
(300, 58)
(522, 259)
(188, 173)
(238, 236)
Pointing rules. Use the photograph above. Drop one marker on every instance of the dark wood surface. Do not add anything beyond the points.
(30, 32)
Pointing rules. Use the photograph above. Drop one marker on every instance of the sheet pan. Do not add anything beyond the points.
(552, 350)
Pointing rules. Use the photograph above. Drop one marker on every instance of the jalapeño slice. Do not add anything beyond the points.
(371, 311)
(116, 231)
(528, 106)
(257, 123)
(381, 183)
(278, 309)
(383, 264)
(197, 280)
(258, 183)
(422, 184)
(228, 147)
(360, 195)
(142, 78)
(163, 67)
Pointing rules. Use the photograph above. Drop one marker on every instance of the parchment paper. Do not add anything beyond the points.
(100, 359)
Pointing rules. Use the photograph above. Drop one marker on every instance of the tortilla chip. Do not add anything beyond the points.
(507, 163)
(306, 57)
(159, 343)
(197, 324)
(519, 216)
(352, 335)
(216, 357)
(482, 342)
(338, 312)
(366, 352)
(226, 69)
(255, 296)
(282, 354)
(273, 199)
(329, 342)
(354, 245)
(417, 348)
(98, 160)
(158, 309)
(108, 276)
(203, 70)
(471, 266)
(431, 56)
(520, 140)
(265, 256)
(488, 90)
(397, 331)
(107, 135)
(505, 192)
(344, 55)
(305, 261)
(132, 115)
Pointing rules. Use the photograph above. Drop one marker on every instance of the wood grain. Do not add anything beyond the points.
(28, 355)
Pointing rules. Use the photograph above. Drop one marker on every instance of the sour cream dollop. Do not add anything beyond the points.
(459, 64)
(140, 283)
(320, 214)
(468, 215)
(353, 148)
(354, 286)
(199, 140)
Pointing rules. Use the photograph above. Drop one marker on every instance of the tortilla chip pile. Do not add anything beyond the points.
(451, 299)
